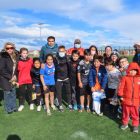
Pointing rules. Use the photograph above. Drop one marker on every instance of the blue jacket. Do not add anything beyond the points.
(46, 49)
(102, 76)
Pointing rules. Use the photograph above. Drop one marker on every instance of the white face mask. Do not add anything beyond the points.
(93, 52)
(61, 54)
(77, 46)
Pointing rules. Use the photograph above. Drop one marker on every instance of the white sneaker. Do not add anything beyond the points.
(39, 108)
(31, 106)
(20, 108)
(44, 107)
(48, 112)
(53, 107)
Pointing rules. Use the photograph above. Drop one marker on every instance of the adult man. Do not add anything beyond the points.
(50, 47)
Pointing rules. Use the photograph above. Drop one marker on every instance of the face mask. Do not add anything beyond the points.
(93, 52)
(61, 54)
(77, 46)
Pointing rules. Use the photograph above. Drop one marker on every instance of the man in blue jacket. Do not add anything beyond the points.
(50, 48)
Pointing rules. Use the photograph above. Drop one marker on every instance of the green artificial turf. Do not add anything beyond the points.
(33, 125)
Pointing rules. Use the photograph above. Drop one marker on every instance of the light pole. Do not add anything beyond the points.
(40, 27)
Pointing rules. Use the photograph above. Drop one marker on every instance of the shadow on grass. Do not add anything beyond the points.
(13, 137)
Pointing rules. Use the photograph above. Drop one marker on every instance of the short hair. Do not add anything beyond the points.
(23, 49)
(93, 46)
(87, 52)
(109, 62)
(123, 57)
(98, 57)
(36, 59)
(61, 47)
(51, 37)
(76, 52)
(108, 47)
(49, 55)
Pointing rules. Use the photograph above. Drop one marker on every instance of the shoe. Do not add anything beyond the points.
(135, 129)
(38, 108)
(81, 109)
(21, 107)
(61, 108)
(124, 127)
(53, 107)
(88, 109)
(31, 106)
(70, 107)
(15, 110)
(44, 107)
(75, 107)
(93, 112)
(100, 114)
(10, 112)
(48, 112)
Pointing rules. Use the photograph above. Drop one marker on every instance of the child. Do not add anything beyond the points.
(37, 86)
(113, 81)
(123, 63)
(24, 79)
(129, 94)
(73, 77)
(83, 72)
(48, 82)
(62, 77)
(97, 82)
(115, 59)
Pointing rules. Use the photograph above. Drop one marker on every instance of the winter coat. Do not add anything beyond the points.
(6, 70)
(102, 76)
(129, 88)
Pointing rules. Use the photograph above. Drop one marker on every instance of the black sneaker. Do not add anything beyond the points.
(135, 129)
(124, 127)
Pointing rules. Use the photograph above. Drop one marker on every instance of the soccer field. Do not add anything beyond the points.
(32, 125)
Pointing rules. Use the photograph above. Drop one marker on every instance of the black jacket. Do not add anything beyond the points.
(6, 70)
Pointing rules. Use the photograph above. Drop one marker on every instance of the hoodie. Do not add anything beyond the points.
(129, 88)
(47, 50)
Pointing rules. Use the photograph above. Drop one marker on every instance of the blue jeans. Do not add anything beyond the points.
(10, 100)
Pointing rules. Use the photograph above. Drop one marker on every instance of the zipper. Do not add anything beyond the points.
(132, 90)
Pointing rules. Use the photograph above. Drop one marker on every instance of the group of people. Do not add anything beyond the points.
(89, 81)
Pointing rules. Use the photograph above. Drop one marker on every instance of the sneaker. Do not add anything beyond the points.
(88, 109)
(61, 108)
(38, 108)
(20, 108)
(124, 127)
(81, 109)
(53, 107)
(44, 106)
(70, 107)
(135, 129)
(100, 114)
(48, 112)
(31, 106)
(75, 107)
(93, 112)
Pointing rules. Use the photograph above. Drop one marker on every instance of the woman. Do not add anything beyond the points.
(107, 54)
(8, 63)
(94, 51)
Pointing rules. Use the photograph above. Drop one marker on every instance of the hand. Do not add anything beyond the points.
(17, 84)
(45, 87)
(80, 85)
(121, 99)
(121, 69)
(42, 66)
(33, 86)
(102, 90)
(92, 89)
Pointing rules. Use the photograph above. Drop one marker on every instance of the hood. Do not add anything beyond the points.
(55, 46)
(133, 66)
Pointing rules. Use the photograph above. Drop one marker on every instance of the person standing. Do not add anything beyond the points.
(50, 48)
(8, 65)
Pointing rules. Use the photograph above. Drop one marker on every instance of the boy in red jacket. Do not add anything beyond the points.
(24, 79)
(129, 93)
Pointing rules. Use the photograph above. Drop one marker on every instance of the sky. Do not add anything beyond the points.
(94, 22)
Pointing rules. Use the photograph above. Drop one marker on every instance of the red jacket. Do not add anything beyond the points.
(81, 51)
(24, 68)
(129, 88)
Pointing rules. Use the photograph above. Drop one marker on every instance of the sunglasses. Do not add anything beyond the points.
(11, 48)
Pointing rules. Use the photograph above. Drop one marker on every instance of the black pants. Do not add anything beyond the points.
(25, 91)
(59, 88)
